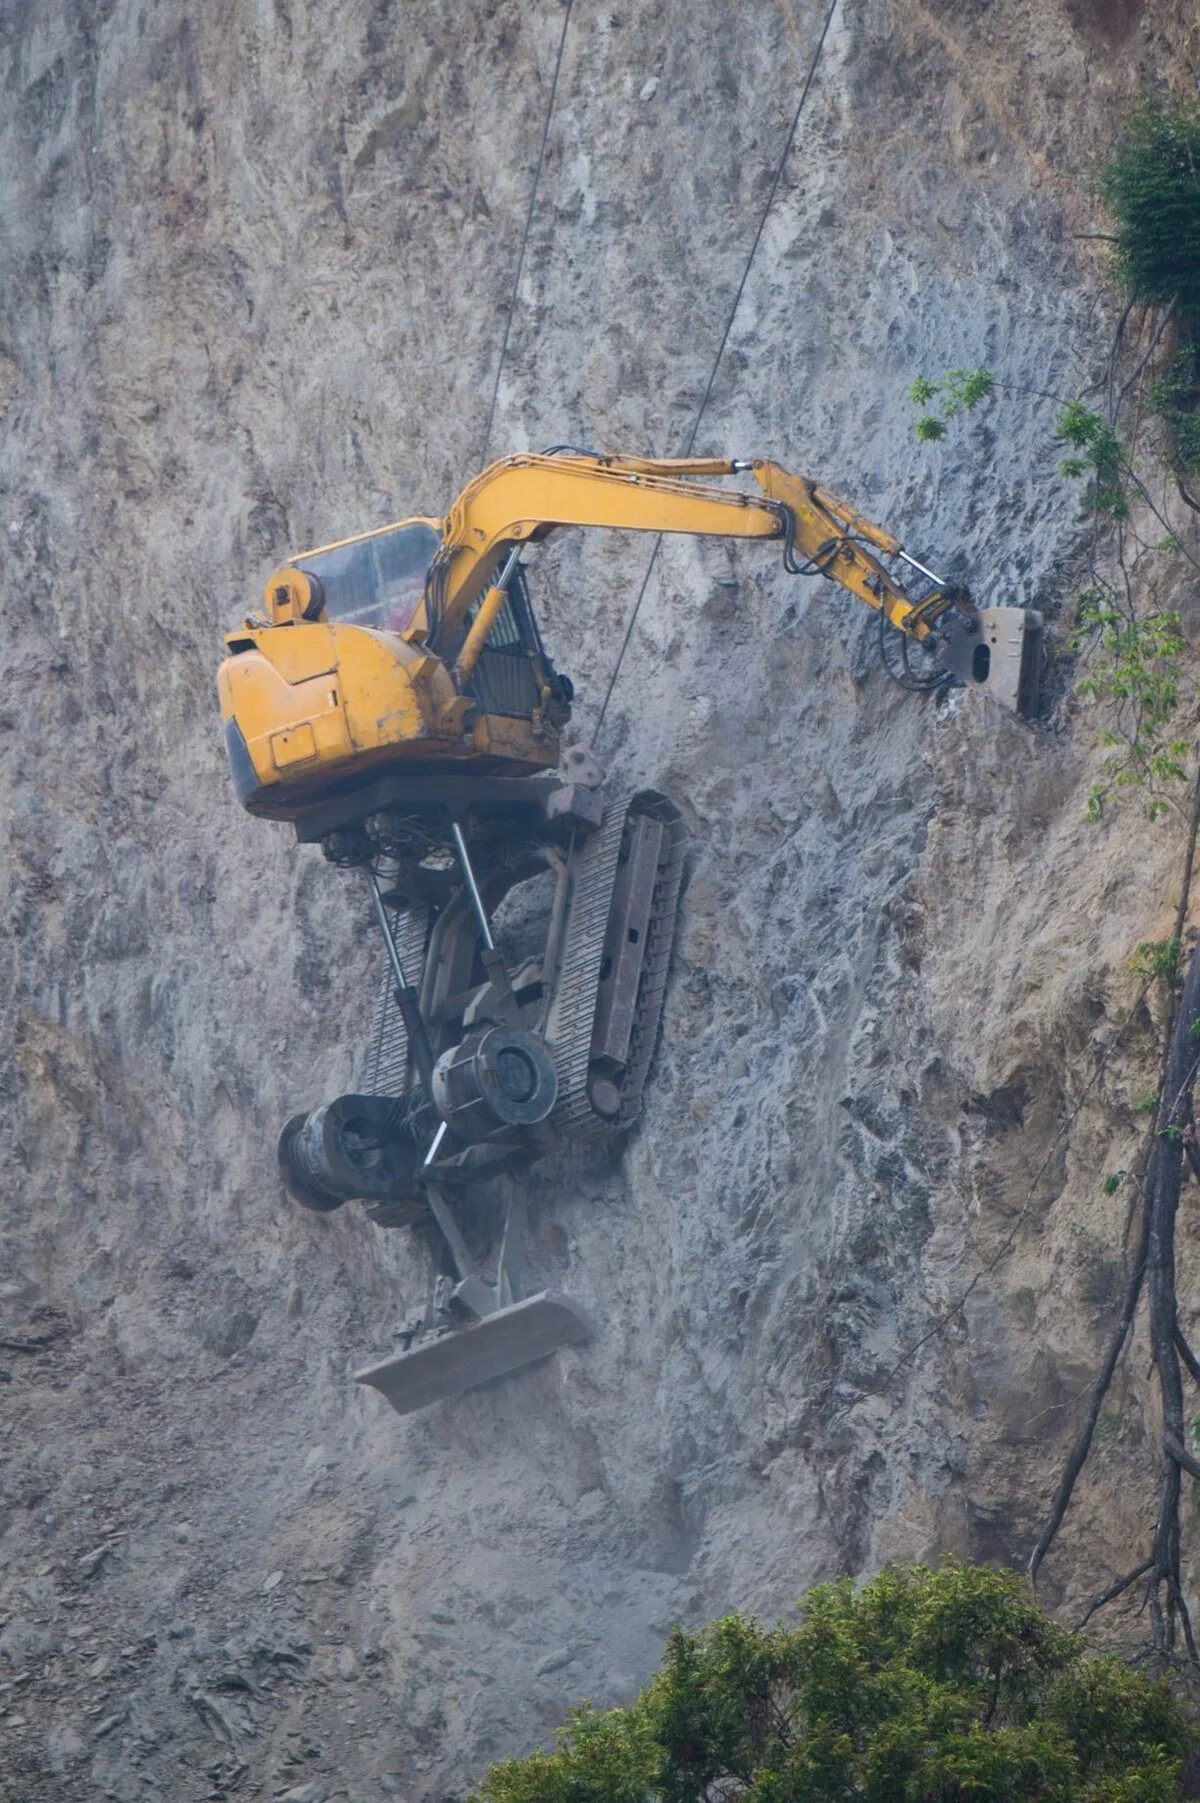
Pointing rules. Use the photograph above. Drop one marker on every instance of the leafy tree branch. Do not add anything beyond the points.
(945, 1686)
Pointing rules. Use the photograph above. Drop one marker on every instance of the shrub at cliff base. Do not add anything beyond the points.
(921, 1687)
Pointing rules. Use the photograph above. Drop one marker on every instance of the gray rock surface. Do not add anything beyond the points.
(255, 268)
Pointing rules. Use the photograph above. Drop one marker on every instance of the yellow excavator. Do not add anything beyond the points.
(397, 705)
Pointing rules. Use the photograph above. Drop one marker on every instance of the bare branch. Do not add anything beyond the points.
(1148, 498)
(1083, 1440)
(1155, 341)
(1160, 1184)
(1114, 1590)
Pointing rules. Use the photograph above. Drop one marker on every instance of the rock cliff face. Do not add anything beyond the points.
(256, 260)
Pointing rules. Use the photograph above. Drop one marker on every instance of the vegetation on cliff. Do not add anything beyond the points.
(1132, 433)
(922, 1685)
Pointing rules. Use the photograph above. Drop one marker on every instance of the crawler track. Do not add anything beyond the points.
(573, 1013)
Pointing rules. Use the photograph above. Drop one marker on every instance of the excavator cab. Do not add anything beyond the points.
(379, 579)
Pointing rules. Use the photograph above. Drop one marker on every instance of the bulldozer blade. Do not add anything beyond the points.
(492, 1347)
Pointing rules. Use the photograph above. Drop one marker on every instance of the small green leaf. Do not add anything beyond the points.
(1078, 425)
(965, 388)
(1156, 958)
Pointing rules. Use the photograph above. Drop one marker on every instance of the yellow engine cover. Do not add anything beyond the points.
(308, 707)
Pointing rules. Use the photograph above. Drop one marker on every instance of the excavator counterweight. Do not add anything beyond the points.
(397, 705)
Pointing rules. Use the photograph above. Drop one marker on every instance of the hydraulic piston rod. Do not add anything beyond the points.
(407, 998)
(904, 556)
(485, 619)
(472, 887)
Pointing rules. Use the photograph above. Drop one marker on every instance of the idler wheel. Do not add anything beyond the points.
(497, 1077)
(605, 1095)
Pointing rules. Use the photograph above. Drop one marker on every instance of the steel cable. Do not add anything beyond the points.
(716, 363)
(533, 193)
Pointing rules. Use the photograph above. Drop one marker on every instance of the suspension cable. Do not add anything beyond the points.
(533, 193)
(716, 363)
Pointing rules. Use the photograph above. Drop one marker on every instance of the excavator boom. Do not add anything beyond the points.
(523, 498)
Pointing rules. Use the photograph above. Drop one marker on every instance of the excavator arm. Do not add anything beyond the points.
(523, 498)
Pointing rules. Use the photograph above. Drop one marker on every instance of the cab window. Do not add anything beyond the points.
(376, 581)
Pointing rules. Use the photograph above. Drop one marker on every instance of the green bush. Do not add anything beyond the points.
(946, 1686)
(958, 391)
(1151, 186)
(1175, 397)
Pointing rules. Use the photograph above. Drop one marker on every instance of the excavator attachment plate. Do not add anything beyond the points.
(1014, 638)
(445, 1366)
(998, 650)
